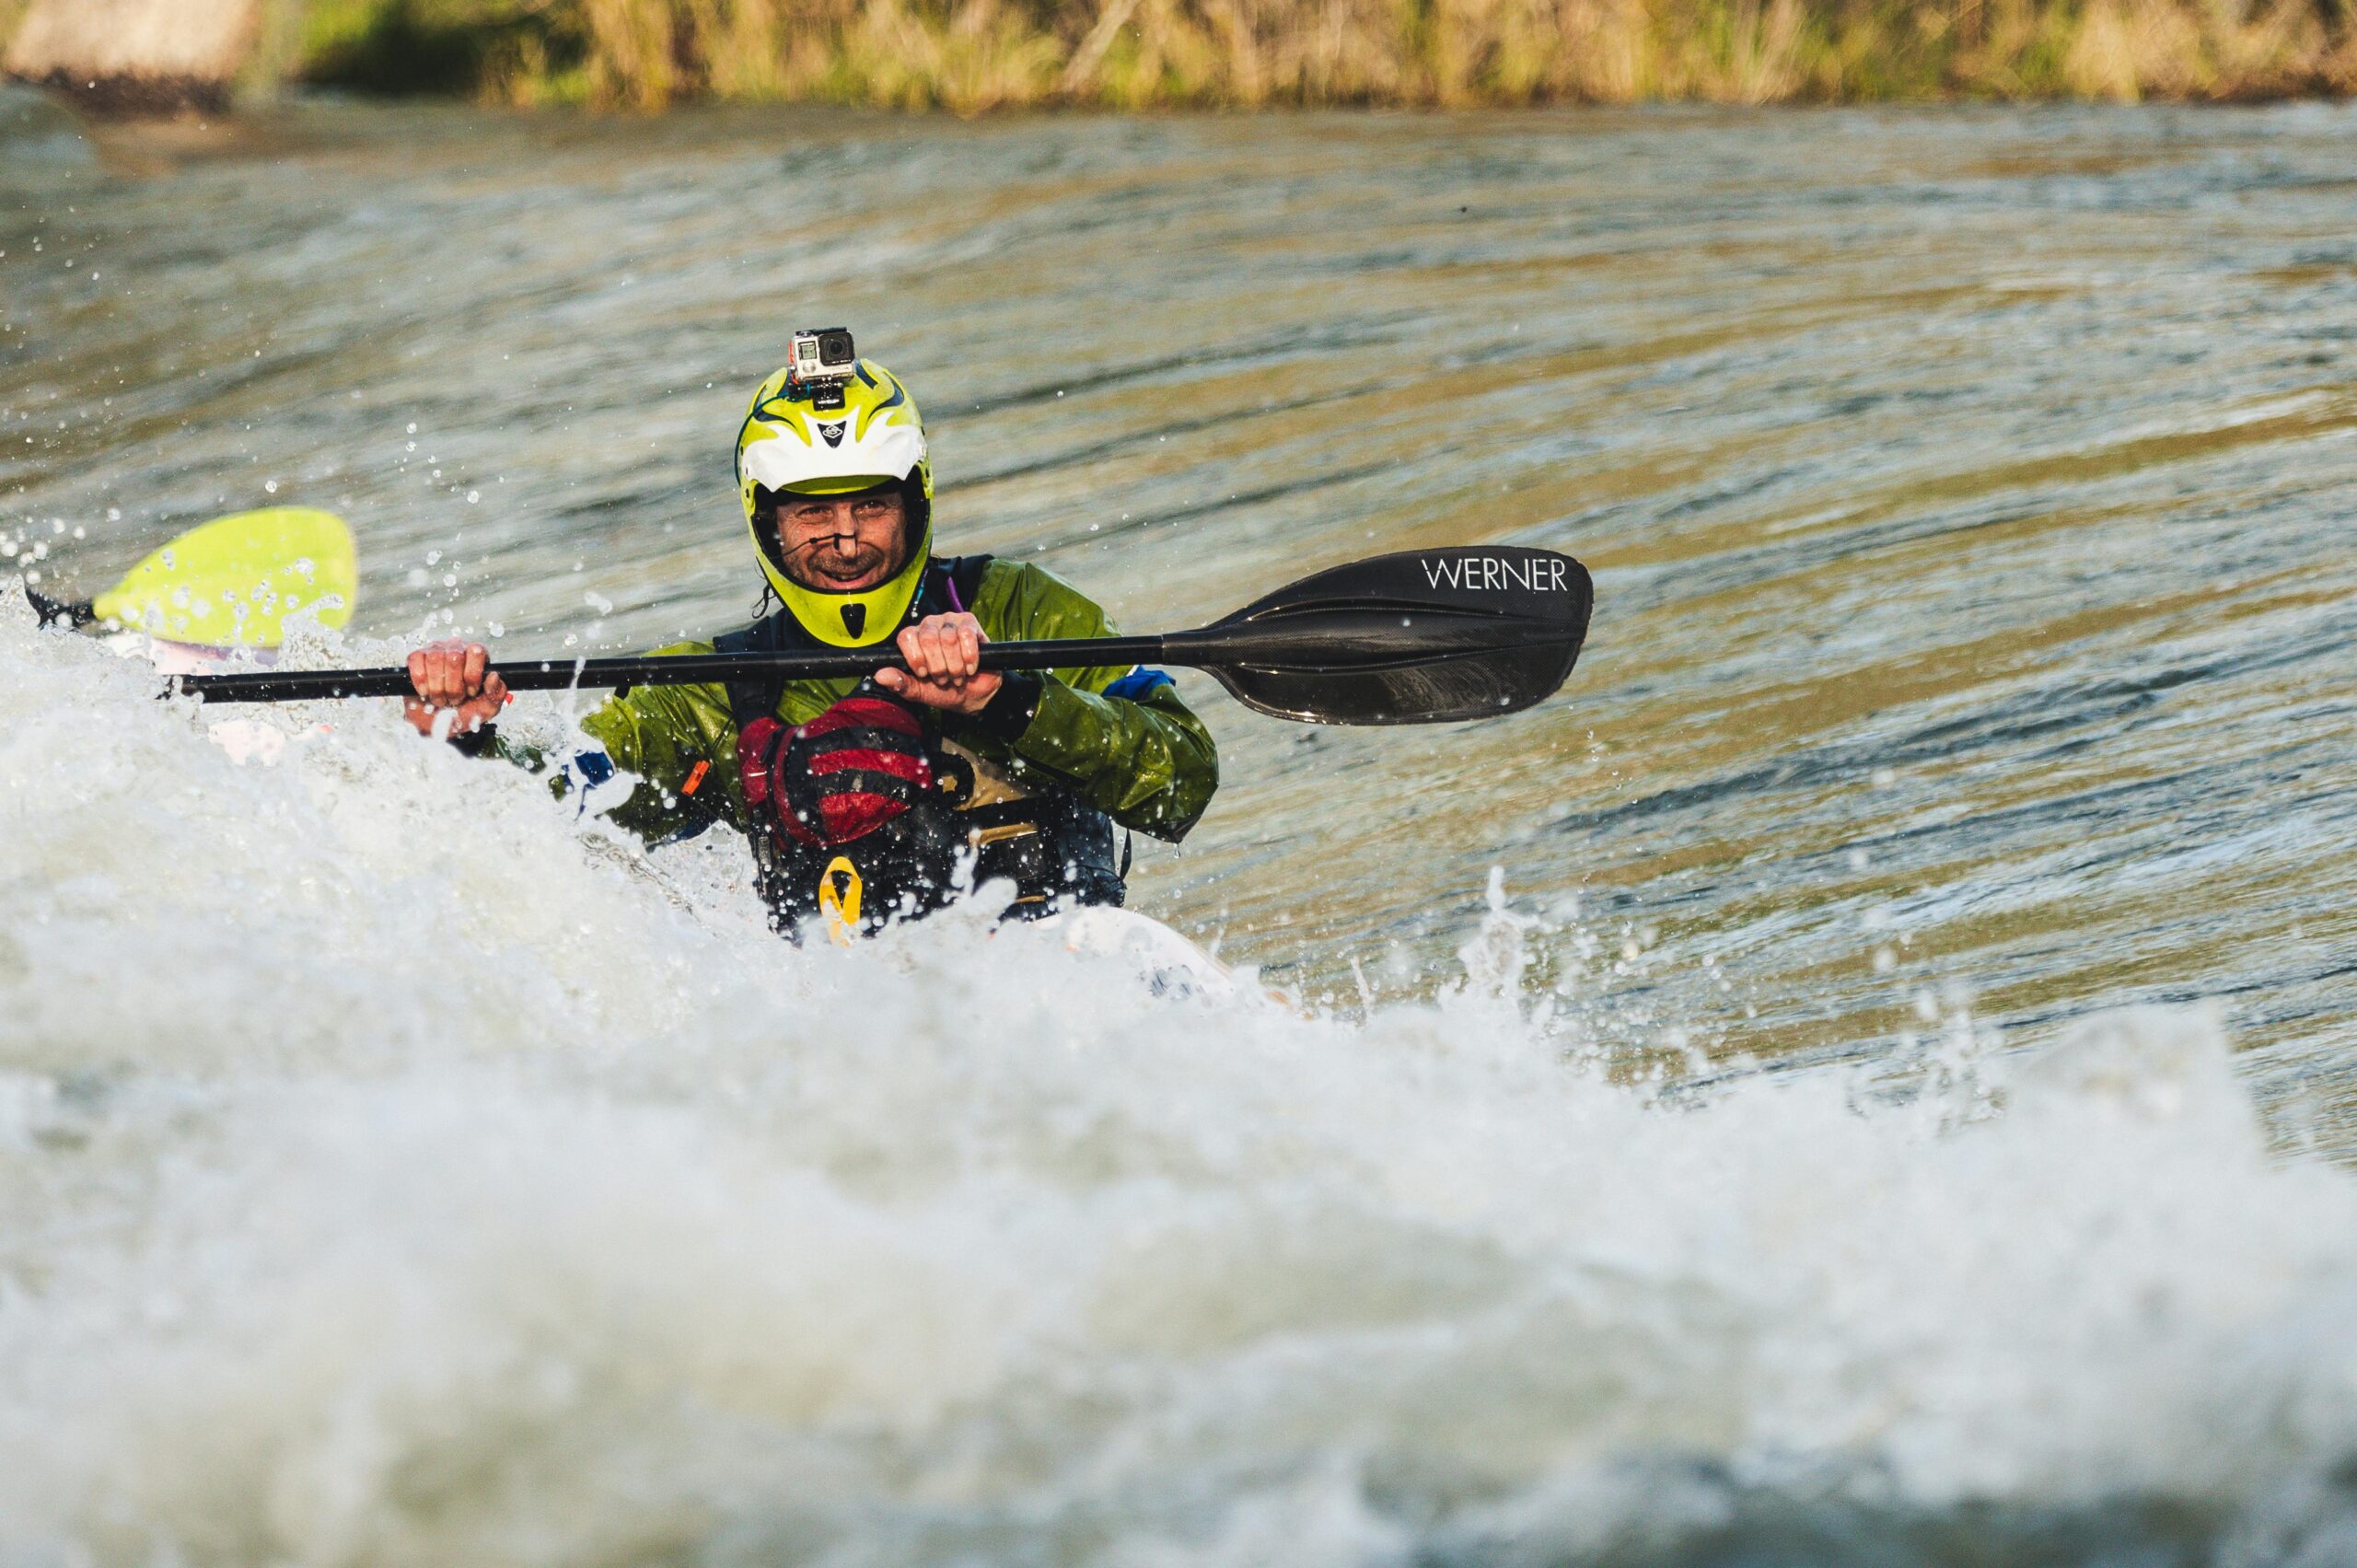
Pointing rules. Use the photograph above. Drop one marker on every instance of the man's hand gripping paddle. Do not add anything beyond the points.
(1426, 636)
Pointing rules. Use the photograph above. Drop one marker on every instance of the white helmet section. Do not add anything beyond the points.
(828, 456)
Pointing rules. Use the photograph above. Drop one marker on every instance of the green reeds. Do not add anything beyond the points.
(971, 56)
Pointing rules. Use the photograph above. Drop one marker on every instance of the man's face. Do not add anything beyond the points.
(841, 543)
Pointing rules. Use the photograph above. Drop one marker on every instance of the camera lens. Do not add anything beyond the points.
(834, 348)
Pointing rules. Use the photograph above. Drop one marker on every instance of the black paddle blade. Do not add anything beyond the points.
(1426, 636)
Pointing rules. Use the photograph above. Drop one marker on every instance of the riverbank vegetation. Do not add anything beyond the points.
(976, 55)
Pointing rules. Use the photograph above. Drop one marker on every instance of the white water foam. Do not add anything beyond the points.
(394, 1170)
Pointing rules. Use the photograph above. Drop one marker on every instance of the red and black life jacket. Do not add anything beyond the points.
(1054, 846)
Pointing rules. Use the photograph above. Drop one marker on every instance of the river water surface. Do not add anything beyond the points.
(1702, 1125)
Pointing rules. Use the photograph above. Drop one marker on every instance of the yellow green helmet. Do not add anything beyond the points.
(877, 438)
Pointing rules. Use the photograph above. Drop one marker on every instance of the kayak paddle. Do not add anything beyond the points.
(1425, 637)
(231, 582)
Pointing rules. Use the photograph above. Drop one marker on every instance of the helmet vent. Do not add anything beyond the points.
(854, 618)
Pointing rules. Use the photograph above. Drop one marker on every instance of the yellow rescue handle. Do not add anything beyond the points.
(839, 888)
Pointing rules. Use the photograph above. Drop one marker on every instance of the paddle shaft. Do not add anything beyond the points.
(677, 669)
(1327, 640)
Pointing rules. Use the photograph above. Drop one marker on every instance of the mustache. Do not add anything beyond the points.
(838, 554)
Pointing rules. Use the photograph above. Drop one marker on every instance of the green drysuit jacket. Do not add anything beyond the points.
(1145, 760)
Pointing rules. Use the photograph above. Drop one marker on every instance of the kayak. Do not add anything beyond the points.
(1171, 965)
(227, 589)
(225, 592)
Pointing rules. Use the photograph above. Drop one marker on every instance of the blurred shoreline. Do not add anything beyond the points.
(977, 56)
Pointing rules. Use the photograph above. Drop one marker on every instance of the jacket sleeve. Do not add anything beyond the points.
(1135, 752)
(678, 742)
(681, 742)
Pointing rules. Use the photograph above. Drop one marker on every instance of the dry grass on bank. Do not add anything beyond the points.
(971, 55)
(975, 56)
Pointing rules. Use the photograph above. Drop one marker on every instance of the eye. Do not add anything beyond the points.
(870, 508)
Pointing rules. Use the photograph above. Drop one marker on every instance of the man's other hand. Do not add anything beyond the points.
(454, 678)
(945, 658)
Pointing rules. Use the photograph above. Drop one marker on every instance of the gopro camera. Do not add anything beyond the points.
(822, 363)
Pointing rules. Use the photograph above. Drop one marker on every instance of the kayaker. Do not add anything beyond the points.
(876, 797)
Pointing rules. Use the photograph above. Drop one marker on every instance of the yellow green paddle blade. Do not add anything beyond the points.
(233, 582)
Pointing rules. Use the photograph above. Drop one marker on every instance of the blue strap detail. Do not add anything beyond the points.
(1135, 686)
(584, 773)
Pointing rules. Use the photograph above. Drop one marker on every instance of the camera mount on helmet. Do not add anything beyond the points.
(819, 364)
